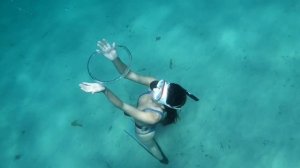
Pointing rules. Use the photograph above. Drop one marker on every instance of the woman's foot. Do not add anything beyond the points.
(165, 160)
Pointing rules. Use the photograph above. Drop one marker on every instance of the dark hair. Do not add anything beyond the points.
(153, 84)
(171, 117)
(176, 97)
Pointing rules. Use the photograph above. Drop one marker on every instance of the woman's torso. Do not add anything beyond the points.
(147, 105)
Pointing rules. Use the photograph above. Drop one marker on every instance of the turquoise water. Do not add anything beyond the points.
(241, 57)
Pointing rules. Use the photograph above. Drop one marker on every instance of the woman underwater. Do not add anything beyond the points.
(158, 105)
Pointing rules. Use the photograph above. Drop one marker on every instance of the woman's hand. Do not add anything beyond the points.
(109, 51)
(91, 87)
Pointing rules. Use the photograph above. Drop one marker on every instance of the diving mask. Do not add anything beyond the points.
(160, 93)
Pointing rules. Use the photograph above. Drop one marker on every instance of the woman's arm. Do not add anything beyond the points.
(110, 52)
(128, 109)
(121, 67)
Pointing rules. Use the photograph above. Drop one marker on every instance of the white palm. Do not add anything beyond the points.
(91, 87)
(109, 51)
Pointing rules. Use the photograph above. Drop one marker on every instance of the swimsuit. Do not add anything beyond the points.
(146, 129)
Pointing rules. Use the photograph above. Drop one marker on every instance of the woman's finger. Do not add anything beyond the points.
(86, 83)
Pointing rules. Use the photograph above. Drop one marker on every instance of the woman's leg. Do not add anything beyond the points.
(149, 142)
